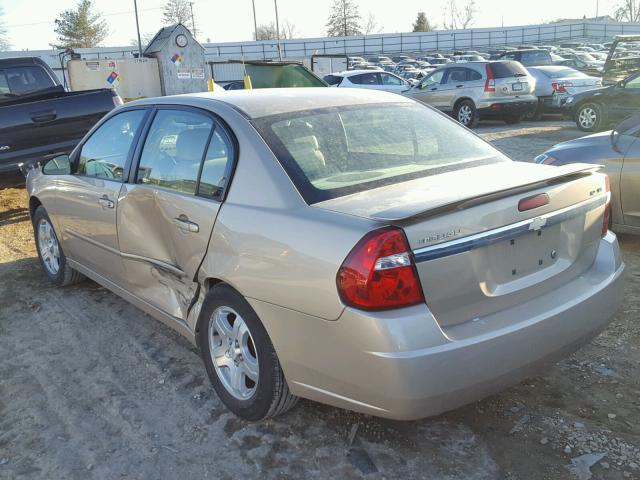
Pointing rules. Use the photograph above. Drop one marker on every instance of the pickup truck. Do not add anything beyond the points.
(38, 118)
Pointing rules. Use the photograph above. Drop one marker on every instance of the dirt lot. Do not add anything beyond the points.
(90, 387)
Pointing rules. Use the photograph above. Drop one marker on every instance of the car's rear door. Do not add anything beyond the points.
(624, 100)
(167, 211)
(86, 203)
(453, 87)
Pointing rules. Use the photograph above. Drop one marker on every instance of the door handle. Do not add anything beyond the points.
(105, 202)
(434, 89)
(43, 117)
(183, 223)
(459, 86)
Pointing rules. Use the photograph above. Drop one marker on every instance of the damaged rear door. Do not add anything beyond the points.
(167, 211)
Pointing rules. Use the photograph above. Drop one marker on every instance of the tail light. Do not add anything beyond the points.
(490, 84)
(559, 87)
(379, 273)
(606, 218)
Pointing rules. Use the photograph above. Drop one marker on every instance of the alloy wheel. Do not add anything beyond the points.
(465, 114)
(233, 353)
(48, 246)
(587, 117)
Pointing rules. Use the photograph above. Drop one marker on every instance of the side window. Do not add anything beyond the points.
(174, 149)
(214, 177)
(434, 78)
(633, 83)
(21, 80)
(390, 79)
(364, 79)
(472, 75)
(457, 75)
(105, 153)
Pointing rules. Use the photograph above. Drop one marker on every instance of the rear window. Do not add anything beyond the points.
(332, 79)
(333, 152)
(564, 73)
(507, 69)
(536, 57)
(18, 81)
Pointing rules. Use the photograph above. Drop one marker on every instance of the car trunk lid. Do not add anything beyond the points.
(476, 253)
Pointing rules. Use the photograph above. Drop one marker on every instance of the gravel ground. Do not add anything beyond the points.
(92, 388)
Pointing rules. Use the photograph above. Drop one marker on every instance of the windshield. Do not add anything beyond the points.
(333, 152)
(585, 57)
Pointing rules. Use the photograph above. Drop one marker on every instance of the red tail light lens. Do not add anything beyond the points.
(606, 219)
(490, 84)
(535, 201)
(379, 273)
(559, 87)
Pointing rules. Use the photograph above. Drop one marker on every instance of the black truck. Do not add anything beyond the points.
(38, 118)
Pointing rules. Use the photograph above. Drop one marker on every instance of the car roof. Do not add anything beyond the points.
(263, 102)
(349, 73)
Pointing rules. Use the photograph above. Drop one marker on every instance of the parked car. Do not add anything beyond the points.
(377, 80)
(585, 61)
(581, 66)
(554, 84)
(38, 118)
(317, 243)
(597, 109)
(620, 63)
(472, 91)
(619, 151)
(528, 58)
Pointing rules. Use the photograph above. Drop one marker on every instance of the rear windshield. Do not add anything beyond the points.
(564, 73)
(333, 152)
(507, 69)
(332, 79)
(17, 81)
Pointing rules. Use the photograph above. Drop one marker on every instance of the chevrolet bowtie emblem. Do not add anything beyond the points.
(537, 223)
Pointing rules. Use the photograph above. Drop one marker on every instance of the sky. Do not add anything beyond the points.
(30, 23)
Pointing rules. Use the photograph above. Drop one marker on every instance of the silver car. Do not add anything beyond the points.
(476, 90)
(353, 247)
(556, 83)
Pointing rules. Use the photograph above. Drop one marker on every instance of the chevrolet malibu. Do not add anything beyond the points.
(352, 247)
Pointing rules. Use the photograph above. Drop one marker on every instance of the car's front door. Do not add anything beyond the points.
(429, 90)
(625, 99)
(393, 83)
(167, 211)
(86, 204)
(453, 87)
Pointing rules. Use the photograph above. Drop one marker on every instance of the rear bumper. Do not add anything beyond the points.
(502, 109)
(402, 365)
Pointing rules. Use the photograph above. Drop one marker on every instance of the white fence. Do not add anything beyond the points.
(474, 38)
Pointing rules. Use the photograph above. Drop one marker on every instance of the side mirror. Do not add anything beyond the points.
(59, 165)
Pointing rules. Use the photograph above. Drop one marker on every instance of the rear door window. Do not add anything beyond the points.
(456, 75)
(365, 79)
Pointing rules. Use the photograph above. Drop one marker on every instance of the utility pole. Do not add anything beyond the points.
(193, 20)
(278, 30)
(135, 8)
(597, 7)
(255, 22)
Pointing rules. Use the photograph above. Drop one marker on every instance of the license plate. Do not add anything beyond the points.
(517, 87)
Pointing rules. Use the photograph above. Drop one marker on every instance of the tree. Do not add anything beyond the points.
(4, 39)
(628, 11)
(344, 19)
(145, 38)
(422, 24)
(459, 18)
(372, 25)
(267, 31)
(178, 11)
(80, 27)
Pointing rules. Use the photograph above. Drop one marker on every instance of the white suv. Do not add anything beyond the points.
(377, 80)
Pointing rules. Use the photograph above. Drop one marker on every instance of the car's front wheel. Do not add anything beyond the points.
(52, 258)
(512, 119)
(590, 117)
(239, 357)
(466, 113)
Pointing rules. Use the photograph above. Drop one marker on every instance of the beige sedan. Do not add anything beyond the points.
(348, 246)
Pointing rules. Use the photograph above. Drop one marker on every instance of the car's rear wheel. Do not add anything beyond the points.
(590, 117)
(52, 258)
(239, 357)
(466, 113)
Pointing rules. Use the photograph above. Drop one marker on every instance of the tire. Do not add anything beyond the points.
(241, 350)
(512, 119)
(535, 115)
(52, 258)
(465, 113)
(590, 117)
